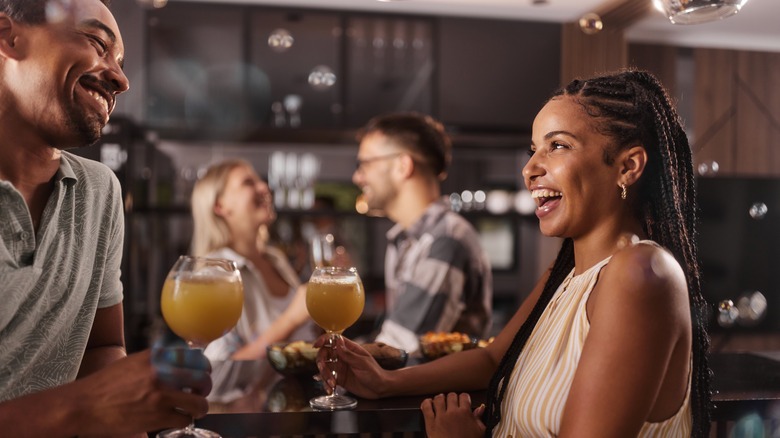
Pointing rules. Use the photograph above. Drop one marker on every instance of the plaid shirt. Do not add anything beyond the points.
(438, 278)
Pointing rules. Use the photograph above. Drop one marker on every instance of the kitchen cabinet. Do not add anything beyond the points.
(237, 72)
(390, 66)
(299, 55)
(195, 70)
(226, 71)
(495, 74)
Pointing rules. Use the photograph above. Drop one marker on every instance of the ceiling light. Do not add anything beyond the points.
(698, 11)
(591, 23)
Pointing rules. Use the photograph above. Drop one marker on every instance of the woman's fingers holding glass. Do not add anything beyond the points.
(322, 340)
(351, 352)
(330, 370)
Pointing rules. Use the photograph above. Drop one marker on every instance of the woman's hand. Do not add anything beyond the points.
(356, 370)
(451, 416)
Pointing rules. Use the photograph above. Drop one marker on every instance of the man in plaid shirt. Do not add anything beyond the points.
(437, 275)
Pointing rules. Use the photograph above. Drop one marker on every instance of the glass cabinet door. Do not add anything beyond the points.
(391, 60)
(197, 74)
(300, 55)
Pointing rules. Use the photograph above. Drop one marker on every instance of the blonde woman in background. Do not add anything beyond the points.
(232, 209)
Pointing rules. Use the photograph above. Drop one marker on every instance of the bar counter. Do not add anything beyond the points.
(259, 402)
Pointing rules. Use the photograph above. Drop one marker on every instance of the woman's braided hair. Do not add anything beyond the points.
(633, 108)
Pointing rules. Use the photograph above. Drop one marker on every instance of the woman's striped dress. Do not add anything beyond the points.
(540, 382)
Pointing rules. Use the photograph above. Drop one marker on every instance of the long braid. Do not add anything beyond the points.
(563, 265)
(633, 108)
(683, 239)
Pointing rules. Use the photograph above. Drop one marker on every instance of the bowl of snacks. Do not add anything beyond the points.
(434, 345)
(389, 358)
(299, 358)
(296, 358)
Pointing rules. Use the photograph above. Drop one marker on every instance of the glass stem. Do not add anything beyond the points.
(190, 429)
(333, 358)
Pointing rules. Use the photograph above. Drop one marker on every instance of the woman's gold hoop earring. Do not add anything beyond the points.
(624, 192)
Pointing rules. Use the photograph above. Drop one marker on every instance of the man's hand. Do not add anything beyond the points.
(133, 394)
(182, 369)
(451, 416)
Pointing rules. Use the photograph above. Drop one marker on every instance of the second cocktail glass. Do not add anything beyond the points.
(334, 299)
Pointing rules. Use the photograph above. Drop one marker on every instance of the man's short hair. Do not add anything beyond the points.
(31, 11)
(421, 135)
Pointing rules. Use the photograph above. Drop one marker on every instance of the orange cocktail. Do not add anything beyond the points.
(334, 299)
(335, 303)
(200, 309)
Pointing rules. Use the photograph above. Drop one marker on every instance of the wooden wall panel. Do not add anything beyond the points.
(737, 111)
(584, 55)
(757, 143)
(713, 113)
(661, 60)
(772, 93)
(736, 94)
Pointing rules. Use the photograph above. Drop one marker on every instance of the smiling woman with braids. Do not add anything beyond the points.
(611, 342)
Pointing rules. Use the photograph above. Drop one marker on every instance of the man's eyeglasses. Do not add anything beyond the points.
(363, 161)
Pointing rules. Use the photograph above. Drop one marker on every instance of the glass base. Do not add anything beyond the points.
(193, 432)
(332, 403)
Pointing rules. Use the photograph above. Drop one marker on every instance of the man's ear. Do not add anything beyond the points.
(8, 38)
(406, 164)
(632, 164)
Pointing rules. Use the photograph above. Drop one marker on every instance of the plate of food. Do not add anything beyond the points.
(293, 358)
(434, 345)
(389, 358)
(299, 358)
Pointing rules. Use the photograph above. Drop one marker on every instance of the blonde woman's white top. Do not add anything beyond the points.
(261, 308)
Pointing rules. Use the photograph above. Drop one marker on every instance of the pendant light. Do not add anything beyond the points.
(698, 11)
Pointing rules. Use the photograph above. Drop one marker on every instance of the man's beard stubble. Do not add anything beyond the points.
(86, 128)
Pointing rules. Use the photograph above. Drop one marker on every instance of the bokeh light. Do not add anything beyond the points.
(727, 313)
(157, 4)
(708, 168)
(758, 210)
(591, 23)
(280, 40)
(322, 78)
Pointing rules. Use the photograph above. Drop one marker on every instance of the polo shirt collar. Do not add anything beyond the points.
(65, 172)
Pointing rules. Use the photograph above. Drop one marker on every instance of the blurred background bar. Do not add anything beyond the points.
(285, 85)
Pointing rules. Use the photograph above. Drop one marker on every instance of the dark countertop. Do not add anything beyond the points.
(269, 404)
